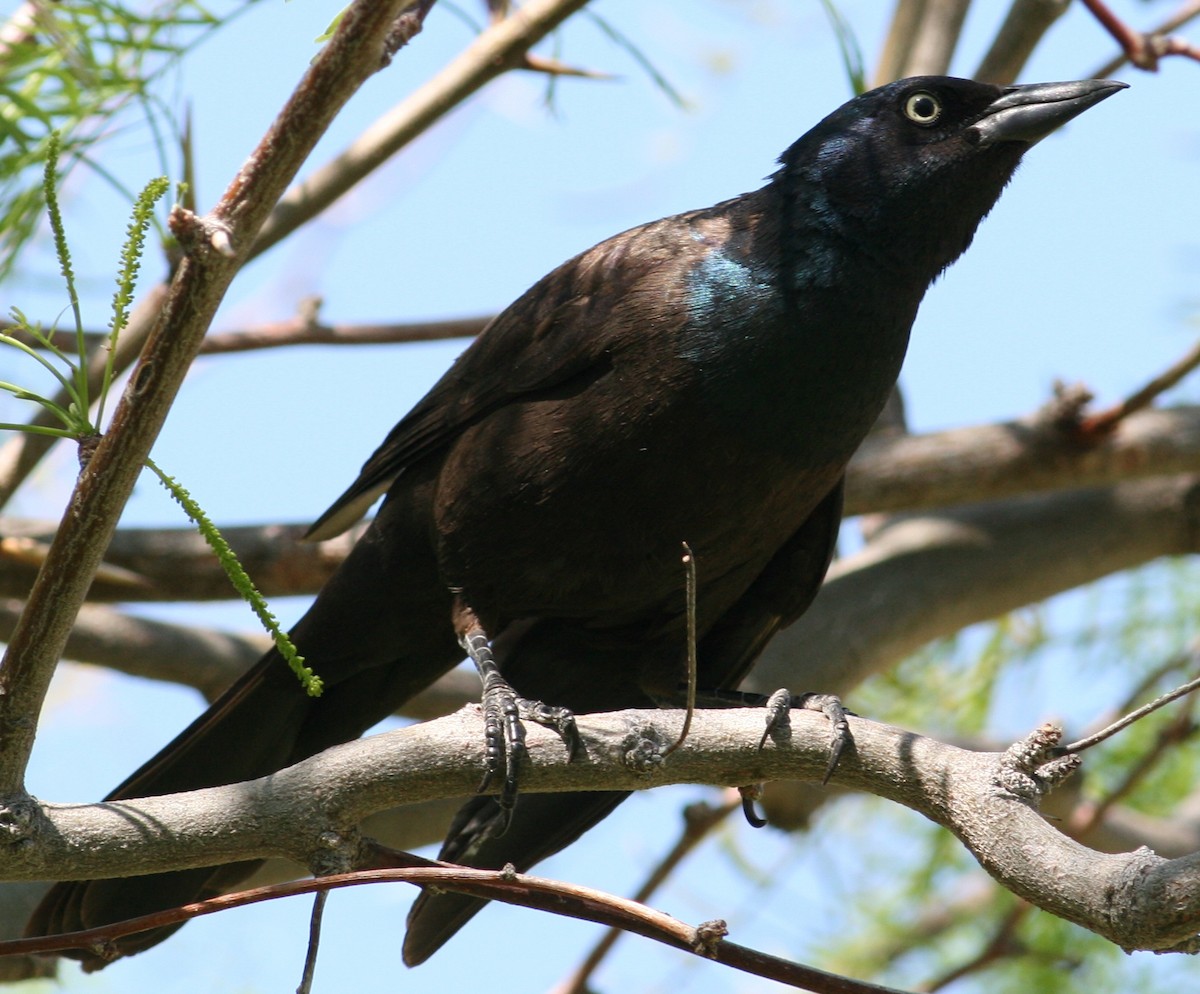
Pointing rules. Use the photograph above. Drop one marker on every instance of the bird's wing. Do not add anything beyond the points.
(560, 329)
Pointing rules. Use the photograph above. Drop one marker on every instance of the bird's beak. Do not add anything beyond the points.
(1029, 113)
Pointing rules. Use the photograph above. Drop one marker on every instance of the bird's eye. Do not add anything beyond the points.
(922, 108)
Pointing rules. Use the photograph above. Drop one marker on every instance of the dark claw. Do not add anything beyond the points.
(504, 742)
(840, 736)
(779, 705)
(560, 720)
(750, 794)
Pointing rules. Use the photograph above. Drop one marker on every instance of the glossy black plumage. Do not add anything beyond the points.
(704, 378)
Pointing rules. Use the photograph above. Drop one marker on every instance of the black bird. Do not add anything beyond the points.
(703, 378)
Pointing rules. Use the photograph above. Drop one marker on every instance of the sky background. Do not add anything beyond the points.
(1085, 272)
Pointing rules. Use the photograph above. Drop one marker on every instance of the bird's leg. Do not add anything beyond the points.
(503, 712)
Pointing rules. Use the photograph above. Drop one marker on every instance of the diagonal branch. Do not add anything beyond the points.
(502, 46)
(355, 52)
(1144, 49)
(1024, 27)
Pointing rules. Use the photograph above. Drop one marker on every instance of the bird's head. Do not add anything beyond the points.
(922, 160)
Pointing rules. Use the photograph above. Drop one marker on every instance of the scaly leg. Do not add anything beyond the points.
(503, 712)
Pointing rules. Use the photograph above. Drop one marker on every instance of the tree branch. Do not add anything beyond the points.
(960, 466)
(571, 900)
(990, 462)
(502, 46)
(922, 39)
(926, 577)
(1136, 900)
(1023, 29)
(304, 329)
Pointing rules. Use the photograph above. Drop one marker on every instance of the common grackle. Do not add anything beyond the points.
(703, 378)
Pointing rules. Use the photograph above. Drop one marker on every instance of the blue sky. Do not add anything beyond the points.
(1085, 272)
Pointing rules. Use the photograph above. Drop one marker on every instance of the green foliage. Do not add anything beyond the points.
(948, 687)
(852, 59)
(240, 580)
(131, 259)
(80, 65)
(75, 419)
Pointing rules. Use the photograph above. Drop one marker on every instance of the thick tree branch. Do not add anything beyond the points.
(927, 577)
(1136, 900)
(1024, 26)
(960, 466)
(176, 564)
(990, 462)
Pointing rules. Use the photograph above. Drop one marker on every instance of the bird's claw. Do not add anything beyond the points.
(504, 743)
(503, 712)
(560, 720)
(751, 793)
(779, 706)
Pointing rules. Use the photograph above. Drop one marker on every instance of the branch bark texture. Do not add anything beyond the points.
(1137, 900)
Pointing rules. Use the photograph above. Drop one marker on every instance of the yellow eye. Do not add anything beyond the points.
(922, 108)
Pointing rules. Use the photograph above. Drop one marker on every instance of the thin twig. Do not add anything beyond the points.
(1105, 421)
(698, 822)
(689, 573)
(1180, 661)
(502, 46)
(301, 330)
(1087, 816)
(539, 893)
(1144, 49)
(314, 942)
(1159, 702)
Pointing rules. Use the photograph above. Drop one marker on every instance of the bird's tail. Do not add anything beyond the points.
(541, 825)
(377, 635)
(245, 734)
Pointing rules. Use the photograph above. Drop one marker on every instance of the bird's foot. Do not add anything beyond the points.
(780, 704)
(503, 714)
(504, 735)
